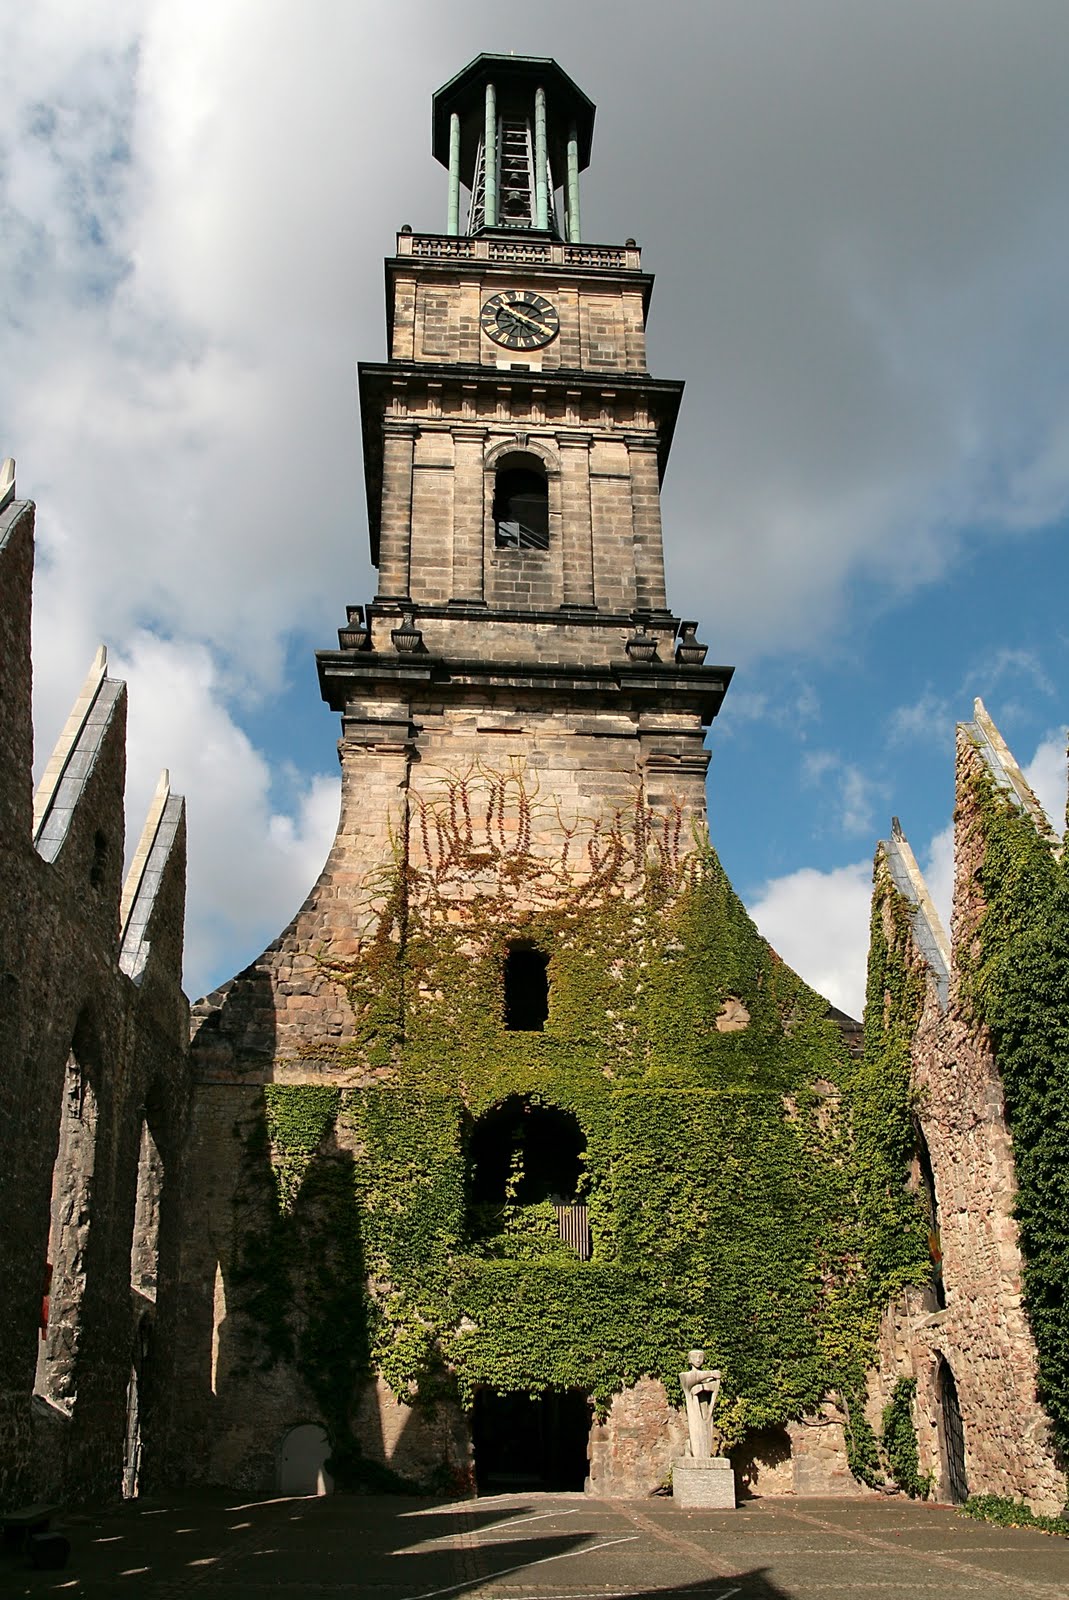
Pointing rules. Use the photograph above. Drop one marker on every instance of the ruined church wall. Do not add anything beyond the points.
(287, 1019)
(63, 990)
(982, 1334)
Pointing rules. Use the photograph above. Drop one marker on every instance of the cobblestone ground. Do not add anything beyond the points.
(548, 1547)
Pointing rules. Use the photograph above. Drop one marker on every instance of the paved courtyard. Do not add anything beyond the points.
(548, 1547)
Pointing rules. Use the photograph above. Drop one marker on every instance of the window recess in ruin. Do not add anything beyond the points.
(526, 988)
(525, 1177)
(924, 1176)
(65, 1269)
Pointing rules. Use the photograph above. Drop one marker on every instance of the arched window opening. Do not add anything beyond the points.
(145, 1242)
(526, 988)
(525, 1169)
(131, 1466)
(525, 1153)
(929, 1199)
(521, 504)
(64, 1270)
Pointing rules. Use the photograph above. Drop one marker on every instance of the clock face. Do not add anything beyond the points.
(519, 319)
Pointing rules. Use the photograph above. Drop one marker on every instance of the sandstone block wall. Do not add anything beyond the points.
(437, 535)
(400, 762)
(436, 316)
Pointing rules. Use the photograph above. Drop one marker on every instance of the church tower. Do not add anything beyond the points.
(519, 1108)
(514, 447)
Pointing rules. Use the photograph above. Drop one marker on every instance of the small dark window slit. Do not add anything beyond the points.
(526, 989)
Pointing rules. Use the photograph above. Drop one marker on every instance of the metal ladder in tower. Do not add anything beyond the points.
(515, 192)
(515, 181)
(477, 210)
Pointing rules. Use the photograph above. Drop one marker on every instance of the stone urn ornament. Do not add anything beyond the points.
(702, 1479)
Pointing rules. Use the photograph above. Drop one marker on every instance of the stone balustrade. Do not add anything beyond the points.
(532, 251)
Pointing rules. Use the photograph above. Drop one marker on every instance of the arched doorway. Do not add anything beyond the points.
(302, 1459)
(952, 1436)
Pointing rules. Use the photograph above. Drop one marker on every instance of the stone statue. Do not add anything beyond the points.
(700, 1388)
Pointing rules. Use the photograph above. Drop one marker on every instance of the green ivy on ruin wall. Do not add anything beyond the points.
(745, 1189)
(899, 1440)
(1017, 980)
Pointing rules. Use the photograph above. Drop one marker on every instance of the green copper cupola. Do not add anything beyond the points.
(513, 131)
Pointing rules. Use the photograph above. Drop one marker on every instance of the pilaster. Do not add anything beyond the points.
(646, 521)
(395, 553)
(469, 514)
(576, 525)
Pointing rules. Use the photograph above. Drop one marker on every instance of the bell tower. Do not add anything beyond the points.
(514, 448)
(503, 127)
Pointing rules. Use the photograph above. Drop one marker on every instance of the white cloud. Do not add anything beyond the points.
(928, 718)
(854, 792)
(1046, 773)
(863, 284)
(250, 865)
(819, 923)
(1012, 663)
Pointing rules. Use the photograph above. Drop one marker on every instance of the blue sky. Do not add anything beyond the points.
(859, 222)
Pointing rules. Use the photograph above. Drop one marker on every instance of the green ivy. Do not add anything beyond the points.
(1017, 982)
(1012, 1514)
(745, 1189)
(899, 1441)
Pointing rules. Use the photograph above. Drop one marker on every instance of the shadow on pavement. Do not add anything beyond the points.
(400, 1549)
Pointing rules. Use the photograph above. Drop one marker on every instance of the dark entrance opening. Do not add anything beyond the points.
(953, 1436)
(526, 989)
(522, 1152)
(525, 1441)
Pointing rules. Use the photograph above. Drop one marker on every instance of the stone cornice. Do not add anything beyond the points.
(661, 397)
(345, 675)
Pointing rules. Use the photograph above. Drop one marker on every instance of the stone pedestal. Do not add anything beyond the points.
(706, 1484)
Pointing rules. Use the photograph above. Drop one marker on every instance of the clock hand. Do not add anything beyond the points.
(539, 327)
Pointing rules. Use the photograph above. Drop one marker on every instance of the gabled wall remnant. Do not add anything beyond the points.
(971, 1338)
(93, 1031)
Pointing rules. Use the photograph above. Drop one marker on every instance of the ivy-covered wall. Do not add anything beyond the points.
(745, 1188)
(1016, 981)
(973, 1033)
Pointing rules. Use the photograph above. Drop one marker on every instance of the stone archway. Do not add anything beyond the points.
(303, 1453)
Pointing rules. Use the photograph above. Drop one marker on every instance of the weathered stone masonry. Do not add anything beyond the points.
(93, 1067)
(980, 1335)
